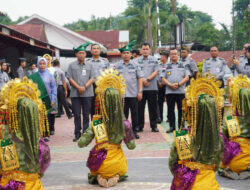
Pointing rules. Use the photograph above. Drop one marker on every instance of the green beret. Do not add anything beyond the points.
(185, 48)
(81, 47)
(128, 47)
(164, 52)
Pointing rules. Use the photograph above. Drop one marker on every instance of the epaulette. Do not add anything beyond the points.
(220, 58)
(207, 59)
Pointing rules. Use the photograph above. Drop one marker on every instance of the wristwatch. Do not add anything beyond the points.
(148, 80)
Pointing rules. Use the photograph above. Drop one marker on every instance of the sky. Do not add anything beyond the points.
(66, 11)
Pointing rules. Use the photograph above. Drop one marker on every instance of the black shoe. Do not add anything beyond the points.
(158, 120)
(171, 129)
(52, 133)
(46, 139)
(70, 116)
(58, 115)
(140, 130)
(136, 135)
(155, 130)
(76, 139)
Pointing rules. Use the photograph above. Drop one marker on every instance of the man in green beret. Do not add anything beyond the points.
(133, 78)
(81, 77)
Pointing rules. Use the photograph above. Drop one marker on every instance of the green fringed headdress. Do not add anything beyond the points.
(128, 47)
(81, 47)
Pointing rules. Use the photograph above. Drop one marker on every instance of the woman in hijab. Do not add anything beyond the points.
(47, 85)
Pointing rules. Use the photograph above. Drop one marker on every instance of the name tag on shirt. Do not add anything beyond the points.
(217, 70)
(84, 72)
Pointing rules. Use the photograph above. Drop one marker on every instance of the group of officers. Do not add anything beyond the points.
(148, 80)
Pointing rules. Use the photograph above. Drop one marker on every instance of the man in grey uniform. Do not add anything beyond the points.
(215, 65)
(20, 70)
(150, 68)
(188, 62)
(99, 64)
(133, 78)
(244, 69)
(161, 86)
(81, 76)
(242, 60)
(4, 78)
(62, 91)
(175, 77)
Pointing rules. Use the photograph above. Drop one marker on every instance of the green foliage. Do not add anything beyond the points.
(199, 26)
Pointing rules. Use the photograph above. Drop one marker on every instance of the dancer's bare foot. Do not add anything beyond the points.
(101, 181)
(113, 181)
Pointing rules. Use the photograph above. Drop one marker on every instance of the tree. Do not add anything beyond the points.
(242, 24)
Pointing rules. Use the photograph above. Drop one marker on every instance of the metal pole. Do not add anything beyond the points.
(233, 36)
(158, 22)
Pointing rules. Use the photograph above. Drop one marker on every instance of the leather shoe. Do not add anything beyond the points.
(136, 135)
(76, 139)
(155, 130)
(171, 129)
(70, 116)
(158, 120)
(58, 115)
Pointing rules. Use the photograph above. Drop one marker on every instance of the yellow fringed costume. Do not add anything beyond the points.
(23, 153)
(107, 162)
(198, 149)
(236, 159)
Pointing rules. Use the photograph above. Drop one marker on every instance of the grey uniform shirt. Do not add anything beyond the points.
(30, 72)
(4, 78)
(81, 74)
(148, 66)
(175, 73)
(243, 60)
(215, 67)
(99, 65)
(20, 72)
(163, 67)
(131, 73)
(244, 68)
(190, 64)
(60, 76)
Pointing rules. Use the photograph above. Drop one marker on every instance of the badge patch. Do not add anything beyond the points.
(182, 142)
(233, 126)
(169, 73)
(8, 156)
(84, 72)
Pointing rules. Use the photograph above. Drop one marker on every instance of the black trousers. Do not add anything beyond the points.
(51, 120)
(81, 104)
(171, 100)
(161, 99)
(62, 101)
(132, 105)
(151, 98)
(93, 102)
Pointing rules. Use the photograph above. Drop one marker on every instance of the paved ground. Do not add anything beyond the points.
(148, 163)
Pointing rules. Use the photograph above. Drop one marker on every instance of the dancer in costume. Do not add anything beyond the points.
(47, 86)
(106, 161)
(197, 150)
(24, 154)
(236, 132)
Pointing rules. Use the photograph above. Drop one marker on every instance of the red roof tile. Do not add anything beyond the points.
(227, 55)
(110, 39)
(34, 30)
